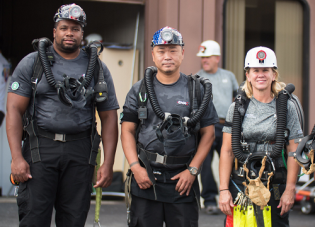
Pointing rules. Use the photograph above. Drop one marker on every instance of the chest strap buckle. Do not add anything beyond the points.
(60, 137)
(161, 159)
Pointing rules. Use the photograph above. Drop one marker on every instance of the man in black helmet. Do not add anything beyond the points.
(55, 166)
(165, 157)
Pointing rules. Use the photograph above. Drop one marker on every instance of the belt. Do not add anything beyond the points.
(166, 160)
(62, 137)
(221, 121)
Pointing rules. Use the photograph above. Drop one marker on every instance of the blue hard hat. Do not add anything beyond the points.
(167, 35)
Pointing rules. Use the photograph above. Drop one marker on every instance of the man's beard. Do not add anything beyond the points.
(168, 72)
(68, 49)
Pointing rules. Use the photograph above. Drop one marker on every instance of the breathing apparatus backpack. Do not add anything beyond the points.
(71, 92)
(173, 122)
(182, 126)
(261, 166)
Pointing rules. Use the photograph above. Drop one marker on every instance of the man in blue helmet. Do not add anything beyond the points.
(160, 138)
(50, 90)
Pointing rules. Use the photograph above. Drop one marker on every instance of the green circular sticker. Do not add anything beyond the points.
(15, 85)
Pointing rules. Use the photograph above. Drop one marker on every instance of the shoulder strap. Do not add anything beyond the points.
(36, 77)
(142, 98)
(37, 70)
(198, 92)
(190, 92)
(194, 80)
(245, 107)
(98, 71)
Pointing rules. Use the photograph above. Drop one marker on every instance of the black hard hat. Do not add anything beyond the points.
(71, 12)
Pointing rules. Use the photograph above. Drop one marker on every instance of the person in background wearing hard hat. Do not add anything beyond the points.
(93, 37)
(224, 87)
(263, 136)
(55, 166)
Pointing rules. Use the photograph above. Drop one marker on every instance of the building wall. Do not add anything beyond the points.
(196, 21)
(200, 20)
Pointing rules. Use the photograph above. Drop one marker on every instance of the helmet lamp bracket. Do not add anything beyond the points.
(167, 34)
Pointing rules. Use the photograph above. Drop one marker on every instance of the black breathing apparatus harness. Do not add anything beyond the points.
(71, 92)
(253, 160)
(185, 126)
(173, 122)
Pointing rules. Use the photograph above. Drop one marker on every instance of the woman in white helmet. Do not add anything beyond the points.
(252, 132)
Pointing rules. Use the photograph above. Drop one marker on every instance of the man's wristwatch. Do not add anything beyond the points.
(193, 170)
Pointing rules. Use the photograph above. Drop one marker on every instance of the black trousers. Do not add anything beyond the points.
(152, 213)
(62, 179)
(277, 220)
(209, 186)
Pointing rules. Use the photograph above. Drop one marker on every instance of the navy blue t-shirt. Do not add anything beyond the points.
(50, 113)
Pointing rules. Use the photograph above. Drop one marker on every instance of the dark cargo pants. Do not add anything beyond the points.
(62, 179)
(145, 212)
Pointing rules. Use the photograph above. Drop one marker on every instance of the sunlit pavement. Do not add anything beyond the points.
(113, 214)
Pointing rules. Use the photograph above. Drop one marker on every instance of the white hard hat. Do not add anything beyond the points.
(93, 37)
(209, 48)
(259, 57)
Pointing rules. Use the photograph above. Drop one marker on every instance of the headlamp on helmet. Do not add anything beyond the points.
(167, 35)
(71, 12)
(261, 55)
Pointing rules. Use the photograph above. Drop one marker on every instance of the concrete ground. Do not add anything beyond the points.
(113, 214)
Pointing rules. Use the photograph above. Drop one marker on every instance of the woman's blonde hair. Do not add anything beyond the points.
(276, 86)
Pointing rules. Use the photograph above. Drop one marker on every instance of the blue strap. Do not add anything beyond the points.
(240, 189)
(236, 186)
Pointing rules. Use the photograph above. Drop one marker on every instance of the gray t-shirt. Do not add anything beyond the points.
(223, 84)
(172, 98)
(260, 123)
(50, 113)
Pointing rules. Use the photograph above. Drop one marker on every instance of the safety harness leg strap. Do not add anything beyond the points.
(29, 126)
(128, 196)
(33, 140)
(95, 144)
(144, 159)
